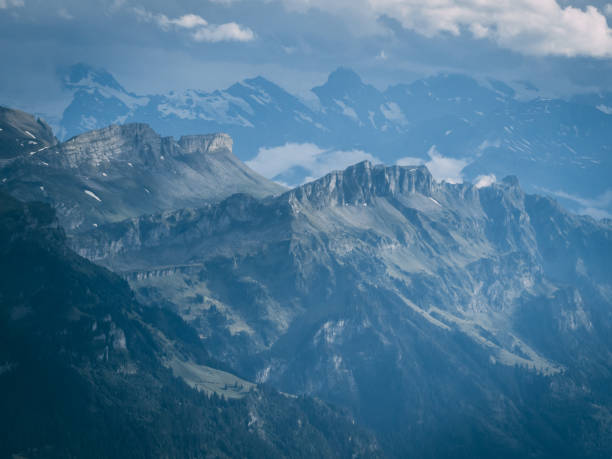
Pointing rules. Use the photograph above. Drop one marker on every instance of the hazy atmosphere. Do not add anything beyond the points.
(306, 228)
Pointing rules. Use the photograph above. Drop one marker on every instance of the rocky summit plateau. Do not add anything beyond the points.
(124, 171)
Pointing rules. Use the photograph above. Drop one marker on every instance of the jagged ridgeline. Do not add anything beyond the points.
(553, 144)
(454, 320)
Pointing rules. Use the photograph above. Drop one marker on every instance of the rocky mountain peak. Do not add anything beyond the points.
(126, 141)
(360, 183)
(125, 131)
(340, 83)
(210, 143)
(511, 180)
(84, 76)
(344, 76)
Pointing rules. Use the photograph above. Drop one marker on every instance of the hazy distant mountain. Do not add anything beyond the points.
(125, 171)
(87, 371)
(456, 320)
(555, 146)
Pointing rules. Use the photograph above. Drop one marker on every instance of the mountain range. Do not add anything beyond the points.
(86, 371)
(466, 320)
(462, 128)
(448, 319)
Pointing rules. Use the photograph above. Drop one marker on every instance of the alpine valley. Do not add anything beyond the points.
(160, 298)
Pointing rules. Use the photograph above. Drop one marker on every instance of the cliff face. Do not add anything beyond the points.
(125, 171)
(361, 183)
(477, 314)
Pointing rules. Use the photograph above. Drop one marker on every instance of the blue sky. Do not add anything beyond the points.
(155, 46)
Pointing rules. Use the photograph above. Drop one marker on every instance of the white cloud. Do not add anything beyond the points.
(4, 4)
(593, 207)
(189, 21)
(533, 27)
(604, 109)
(224, 32)
(276, 161)
(483, 181)
(201, 30)
(441, 167)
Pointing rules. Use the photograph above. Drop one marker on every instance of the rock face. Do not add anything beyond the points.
(22, 133)
(553, 145)
(85, 369)
(453, 319)
(125, 171)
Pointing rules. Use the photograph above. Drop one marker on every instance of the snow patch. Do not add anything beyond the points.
(93, 195)
(393, 113)
(436, 202)
(30, 134)
(347, 111)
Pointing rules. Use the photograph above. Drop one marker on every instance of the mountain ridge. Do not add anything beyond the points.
(128, 170)
(315, 292)
(557, 146)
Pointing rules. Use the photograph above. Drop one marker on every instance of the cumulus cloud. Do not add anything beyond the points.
(200, 29)
(278, 162)
(533, 27)
(483, 181)
(224, 32)
(441, 167)
(4, 4)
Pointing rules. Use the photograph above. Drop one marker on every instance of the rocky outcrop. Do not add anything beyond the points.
(126, 171)
(211, 143)
(360, 183)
